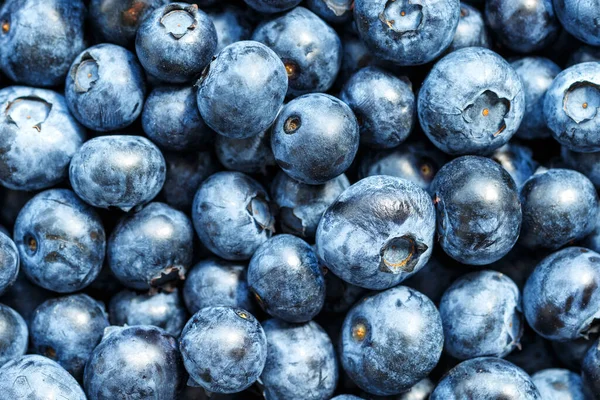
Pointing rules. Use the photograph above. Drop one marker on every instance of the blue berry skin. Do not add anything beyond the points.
(300, 206)
(478, 210)
(580, 19)
(59, 256)
(471, 30)
(571, 105)
(586, 163)
(251, 155)
(34, 377)
(224, 349)
(137, 362)
(176, 42)
(285, 277)
(383, 104)
(309, 48)
(590, 371)
(315, 138)
(67, 330)
(228, 93)
(232, 215)
(406, 32)
(171, 119)
(584, 54)
(14, 337)
(301, 362)
(272, 6)
(561, 296)
(377, 233)
(517, 160)
(38, 138)
(481, 314)
(151, 247)
(119, 171)
(9, 262)
(537, 74)
(40, 39)
(559, 206)
(382, 354)
(332, 11)
(486, 378)
(215, 282)
(105, 88)
(558, 384)
(476, 115)
(231, 24)
(163, 310)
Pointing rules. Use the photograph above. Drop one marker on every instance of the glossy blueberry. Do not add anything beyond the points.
(232, 24)
(478, 210)
(378, 232)
(38, 138)
(586, 163)
(241, 76)
(471, 30)
(232, 215)
(67, 329)
(517, 160)
(163, 310)
(138, 362)
(537, 74)
(301, 362)
(272, 6)
(333, 11)
(309, 48)
(117, 171)
(383, 355)
(14, 335)
(9, 262)
(475, 115)
(61, 241)
(558, 384)
(39, 39)
(24, 297)
(559, 206)
(224, 349)
(580, 19)
(486, 378)
(251, 155)
(572, 353)
(584, 54)
(590, 371)
(407, 32)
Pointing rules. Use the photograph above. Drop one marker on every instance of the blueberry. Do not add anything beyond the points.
(67, 329)
(272, 6)
(378, 232)
(590, 370)
(535, 353)
(340, 295)
(475, 115)
(61, 241)
(433, 279)
(251, 155)
(333, 11)
(420, 391)
(315, 138)
(9, 262)
(355, 55)
(309, 48)
(572, 353)
(24, 297)
(586, 163)
(224, 349)
(580, 19)
(301, 362)
(14, 336)
(40, 39)
(117, 171)
(384, 355)
(471, 30)
(517, 160)
(584, 54)
(232, 24)
(478, 210)
(518, 263)
(232, 215)
(557, 384)
(38, 138)
(346, 396)
(137, 362)
(228, 93)
(486, 378)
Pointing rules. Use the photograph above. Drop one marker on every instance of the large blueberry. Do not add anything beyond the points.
(251, 155)
(590, 371)
(517, 160)
(580, 19)
(232, 24)
(38, 138)
(61, 241)
(117, 171)
(14, 336)
(557, 384)
(272, 6)
(586, 163)
(471, 30)
(333, 11)
(9, 262)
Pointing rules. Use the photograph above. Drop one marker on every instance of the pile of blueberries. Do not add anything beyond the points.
(288, 200)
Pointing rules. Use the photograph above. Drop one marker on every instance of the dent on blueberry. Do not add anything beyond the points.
(31, 243)
(401, 254)
(260, 210)
(486, 113)
(292, 124)
(131, 16)
(339, 7)
(5, 26)
(401, 16)
(359, 330)
(28, 112)
(291, 68)
(85, 74)
(178, 19)
(581, 101)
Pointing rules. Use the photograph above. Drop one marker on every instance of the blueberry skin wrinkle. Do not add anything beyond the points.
(309, 48)
(58, 256)
(40, 39)
(228, 94)
(224, 349)
(475, 115)
(140, 362)
(105, 88)
(486, 378)
(558, 383)
(382, 354)
(34, 377)
(251, 155)
(377, 233)
(67, 329)
(232, 24)
(407, 32)
(14, 338)
(517, 160)
(38, 138)
(315, 138)
(301, 362)
(471, 30)
(580, 19)
(272, 6)
(9, 262)
(590, 370)
(232, 215)
(117, 171)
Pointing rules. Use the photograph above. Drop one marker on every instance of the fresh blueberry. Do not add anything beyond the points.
(590, 371)
(332, 11)
(573, 352)
(355, 55)
(586, 163)
(475, 115)
(61, 241)
(517, 160)
(558, 384)
(433, 279)
(228, 94)
(580, 19)
(340, 295)
(9, 262)
(232, 24)
(471, 30)
(24, 297)
(117, 171)
(272, 6)
(38, 138)
(584, 54)
(14, 335)
(251, 155)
